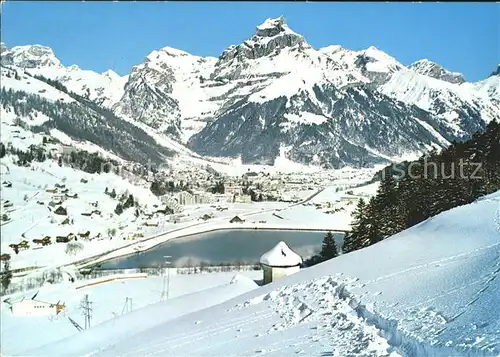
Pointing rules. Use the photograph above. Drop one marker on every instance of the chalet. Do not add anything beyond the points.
(279, 262)
(65, 239)
(59, 186)
(150, 224)
(40, 203)
(7, 204)
(4, 257)
(33, 307)
(84, 180)
(61, 211)
(206, 216)
(74, 195)
(7, 184)
(44, 241)
(134, 236)
(14, 247)
(55, 203)
(236, 219)
(51, 190)
(85, 235)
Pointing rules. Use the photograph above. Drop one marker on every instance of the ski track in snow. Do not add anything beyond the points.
(188, 337)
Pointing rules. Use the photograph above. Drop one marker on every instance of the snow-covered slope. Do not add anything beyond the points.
(432, 290)
(110, 306)
(457, 110)
(489, 87)
(434, 70)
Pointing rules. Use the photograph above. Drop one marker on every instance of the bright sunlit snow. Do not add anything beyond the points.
(430, 290)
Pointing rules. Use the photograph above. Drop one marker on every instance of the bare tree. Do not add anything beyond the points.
(72, 248)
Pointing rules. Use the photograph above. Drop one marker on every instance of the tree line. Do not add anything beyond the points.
(412, 192)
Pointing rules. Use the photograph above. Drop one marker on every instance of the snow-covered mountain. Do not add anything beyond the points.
(274, 94)
(434, 70)
(104, 88)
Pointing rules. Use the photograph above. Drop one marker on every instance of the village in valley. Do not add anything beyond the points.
(57, 221)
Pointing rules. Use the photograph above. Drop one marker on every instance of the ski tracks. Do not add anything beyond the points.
(189, 338)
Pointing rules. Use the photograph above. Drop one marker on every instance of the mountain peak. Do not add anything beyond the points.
(273, 27)
(495, 72)
(434, 70)
(30, 56)
(270, 37)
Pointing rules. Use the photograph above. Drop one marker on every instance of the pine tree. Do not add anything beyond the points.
(6, 276)
(129, 202)
(353, 240)
(119, 209)
(384, 205)
(329, 248)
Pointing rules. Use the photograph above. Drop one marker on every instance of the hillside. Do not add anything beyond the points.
(275, 96)
(431, 290)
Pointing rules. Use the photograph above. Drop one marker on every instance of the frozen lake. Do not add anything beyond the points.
(224, 246)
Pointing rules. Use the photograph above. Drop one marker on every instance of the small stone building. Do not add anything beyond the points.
(279, 262)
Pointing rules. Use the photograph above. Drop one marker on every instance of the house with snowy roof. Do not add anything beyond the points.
(35, 307)
(279, 262)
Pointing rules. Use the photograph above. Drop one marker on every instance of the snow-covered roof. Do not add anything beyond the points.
(281, 256)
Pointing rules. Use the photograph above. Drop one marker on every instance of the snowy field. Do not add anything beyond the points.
(432, 290)
(109, 303)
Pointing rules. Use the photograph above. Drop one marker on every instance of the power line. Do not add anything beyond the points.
(127, 307)
(86, 306)
(166, 282)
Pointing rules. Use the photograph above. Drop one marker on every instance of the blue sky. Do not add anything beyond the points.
(463, 37)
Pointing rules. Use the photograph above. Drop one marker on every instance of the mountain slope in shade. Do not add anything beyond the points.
(41, 107)
(330, 128)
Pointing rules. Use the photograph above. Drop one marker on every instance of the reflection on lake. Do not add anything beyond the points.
(224, 246)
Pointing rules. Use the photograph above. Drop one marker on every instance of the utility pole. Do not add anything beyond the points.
(166, 282)
(127, 307)
(87, 310)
